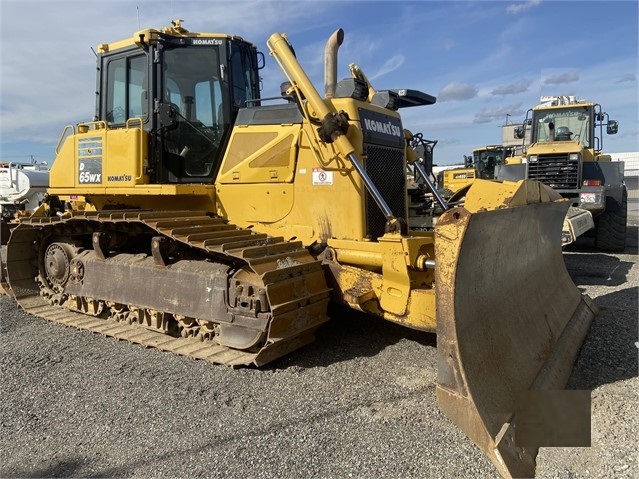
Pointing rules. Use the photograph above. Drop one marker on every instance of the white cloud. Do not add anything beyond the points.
(519, 86)
(457, 91)
(629, 77)
(561, 78)
(390, 65)
(519, 7)
(445, 45)
(486, 115)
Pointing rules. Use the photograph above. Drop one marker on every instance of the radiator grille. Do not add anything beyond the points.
(556, 171)
(385, 167)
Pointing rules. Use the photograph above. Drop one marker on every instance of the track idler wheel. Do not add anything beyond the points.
(56, 270)
(57, 258)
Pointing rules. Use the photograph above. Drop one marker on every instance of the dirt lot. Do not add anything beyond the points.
(359, 402)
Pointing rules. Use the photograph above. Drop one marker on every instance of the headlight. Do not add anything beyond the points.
(532, 158)
(573, 157)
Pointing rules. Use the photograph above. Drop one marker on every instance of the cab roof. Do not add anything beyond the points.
(151, 35)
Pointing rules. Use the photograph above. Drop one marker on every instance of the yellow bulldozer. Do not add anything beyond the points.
(193, 216)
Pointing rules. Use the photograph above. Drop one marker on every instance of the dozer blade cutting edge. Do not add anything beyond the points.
(510, 321)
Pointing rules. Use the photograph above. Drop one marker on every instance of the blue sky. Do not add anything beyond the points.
(483, 60)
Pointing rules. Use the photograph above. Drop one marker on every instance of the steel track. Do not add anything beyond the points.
(282, 265)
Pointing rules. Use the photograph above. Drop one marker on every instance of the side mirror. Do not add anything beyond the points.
(168, 115)
(613, 127)
(261, 61)
(468, 161)
(519, 132)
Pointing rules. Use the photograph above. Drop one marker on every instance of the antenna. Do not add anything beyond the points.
(137, 7)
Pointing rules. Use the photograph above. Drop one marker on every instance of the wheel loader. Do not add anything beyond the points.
(563, 148)
(193, 216)
(489, 162)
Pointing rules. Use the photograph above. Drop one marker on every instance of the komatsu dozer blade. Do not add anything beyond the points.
(509, 318)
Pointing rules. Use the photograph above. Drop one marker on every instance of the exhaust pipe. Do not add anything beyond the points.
(330, 62)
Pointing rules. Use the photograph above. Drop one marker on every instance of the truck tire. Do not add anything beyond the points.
(610, 227)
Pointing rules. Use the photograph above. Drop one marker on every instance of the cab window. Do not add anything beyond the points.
(126, 89)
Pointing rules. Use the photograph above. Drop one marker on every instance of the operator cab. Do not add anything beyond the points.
(486, 159)
(186, 89)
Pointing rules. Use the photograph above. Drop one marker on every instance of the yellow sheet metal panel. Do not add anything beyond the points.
(153, 197)
(125, 155)
(315, 197)
(257, 204)
(96, 157)
(63, 172)
(254, 152)
(455, 179)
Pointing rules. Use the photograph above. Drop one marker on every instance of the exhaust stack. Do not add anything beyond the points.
(330, 62)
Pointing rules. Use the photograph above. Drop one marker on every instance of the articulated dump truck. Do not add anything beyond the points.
(193, 216)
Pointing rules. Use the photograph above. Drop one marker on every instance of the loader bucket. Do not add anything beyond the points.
(509, 318)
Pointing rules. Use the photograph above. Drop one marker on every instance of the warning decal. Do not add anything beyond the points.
(322, 177)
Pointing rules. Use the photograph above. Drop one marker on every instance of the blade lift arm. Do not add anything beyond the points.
(334, 124)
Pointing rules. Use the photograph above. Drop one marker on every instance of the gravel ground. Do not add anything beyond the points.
(359, 402)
